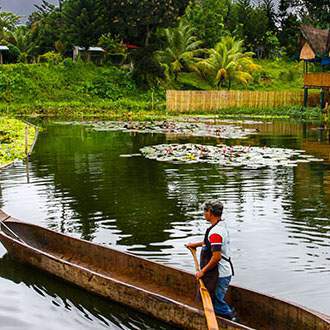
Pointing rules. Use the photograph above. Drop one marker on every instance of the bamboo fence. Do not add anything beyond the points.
(189, 101)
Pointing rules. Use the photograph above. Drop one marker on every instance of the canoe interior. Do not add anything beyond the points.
(254, 309)
(117, 265)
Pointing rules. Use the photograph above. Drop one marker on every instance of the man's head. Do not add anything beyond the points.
(213, 209)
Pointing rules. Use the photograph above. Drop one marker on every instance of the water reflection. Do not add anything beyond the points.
(279, 218)
(55, 297)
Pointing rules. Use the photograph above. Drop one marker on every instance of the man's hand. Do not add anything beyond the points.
(190, 246)
(199, 274)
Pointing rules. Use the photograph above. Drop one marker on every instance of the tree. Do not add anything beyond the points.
(208, 17)
(227, 63)
(21, 38)
(269, 9)
(8, 22)
(251, 24)
(136, 20)
(46, 27)
(181, 50)
(81, 23)
(316, 12)
(289, 28)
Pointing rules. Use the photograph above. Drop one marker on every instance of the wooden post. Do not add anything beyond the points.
(26, 141)
(305, 97)
(152, 100)
(322, 99)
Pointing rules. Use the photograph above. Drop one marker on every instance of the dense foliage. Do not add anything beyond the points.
(268, 28)
(162, 41)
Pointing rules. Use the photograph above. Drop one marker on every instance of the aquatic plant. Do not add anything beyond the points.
(224, 155)
(12, 139)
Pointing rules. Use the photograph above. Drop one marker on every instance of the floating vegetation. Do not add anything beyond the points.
(215, 120)
(232, 156)
(12, 140)
(178, 128)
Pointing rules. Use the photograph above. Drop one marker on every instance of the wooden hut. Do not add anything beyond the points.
(315, 48)
(94, 54)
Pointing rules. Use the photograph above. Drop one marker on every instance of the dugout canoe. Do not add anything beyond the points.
(163, 292)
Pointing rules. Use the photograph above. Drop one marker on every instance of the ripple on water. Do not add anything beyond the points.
(278, 218)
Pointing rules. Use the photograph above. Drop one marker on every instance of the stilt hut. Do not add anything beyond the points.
(315, 48)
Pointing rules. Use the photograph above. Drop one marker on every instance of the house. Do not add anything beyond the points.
(94, 54)
(315, 48)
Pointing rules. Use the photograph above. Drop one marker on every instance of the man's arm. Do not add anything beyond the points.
(216, 257)
(194, 245)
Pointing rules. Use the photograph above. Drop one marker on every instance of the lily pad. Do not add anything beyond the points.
(232, 156)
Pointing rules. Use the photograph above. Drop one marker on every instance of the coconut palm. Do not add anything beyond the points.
(182, 49)
(8, 22)
(227, 62)
(21, 38)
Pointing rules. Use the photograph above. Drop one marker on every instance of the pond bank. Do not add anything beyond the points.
(17, 139)
(126, 109)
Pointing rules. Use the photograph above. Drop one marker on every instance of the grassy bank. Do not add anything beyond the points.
(12, 140)
(81, 90)
(35, 85)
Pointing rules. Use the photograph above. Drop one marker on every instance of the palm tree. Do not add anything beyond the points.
(8, 22)
(182, 49)
(21, 38)
(227, 62)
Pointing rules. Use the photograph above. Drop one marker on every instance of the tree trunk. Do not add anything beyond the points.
(146, 43)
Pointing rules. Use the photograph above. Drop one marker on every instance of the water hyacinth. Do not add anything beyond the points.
(177, 128)
(232, 156)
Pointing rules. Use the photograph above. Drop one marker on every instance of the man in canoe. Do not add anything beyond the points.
(216, 267)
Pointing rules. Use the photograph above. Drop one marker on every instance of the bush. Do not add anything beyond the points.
(50, 57)
(147, 71)
(13, 54)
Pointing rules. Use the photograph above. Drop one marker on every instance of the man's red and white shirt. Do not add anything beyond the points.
(220, 241)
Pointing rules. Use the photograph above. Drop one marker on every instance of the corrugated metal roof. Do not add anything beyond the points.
(3, 47)
(96, 49)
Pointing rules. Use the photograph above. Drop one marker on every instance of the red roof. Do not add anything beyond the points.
(131, 46)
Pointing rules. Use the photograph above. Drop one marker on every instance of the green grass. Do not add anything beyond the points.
(278, 75)
(69, 82)
(83, 90)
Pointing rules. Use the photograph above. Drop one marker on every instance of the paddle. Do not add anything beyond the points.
(211, 319)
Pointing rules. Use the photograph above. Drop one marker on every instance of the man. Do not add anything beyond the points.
(216, 267)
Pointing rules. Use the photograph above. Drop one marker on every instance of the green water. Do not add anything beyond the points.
(81, 182)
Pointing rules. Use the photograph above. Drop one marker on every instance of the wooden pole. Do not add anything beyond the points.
(211, 319)
(305, 97)
(322, 99)
(26, 141)
(152, 100)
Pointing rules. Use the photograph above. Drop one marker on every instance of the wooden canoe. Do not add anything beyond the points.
(163, 292)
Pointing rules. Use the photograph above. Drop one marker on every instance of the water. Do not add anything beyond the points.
(79, 184)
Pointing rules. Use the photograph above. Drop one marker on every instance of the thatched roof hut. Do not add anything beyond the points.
(315, 44)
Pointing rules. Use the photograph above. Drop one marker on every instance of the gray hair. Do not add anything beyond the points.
(215, 206)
